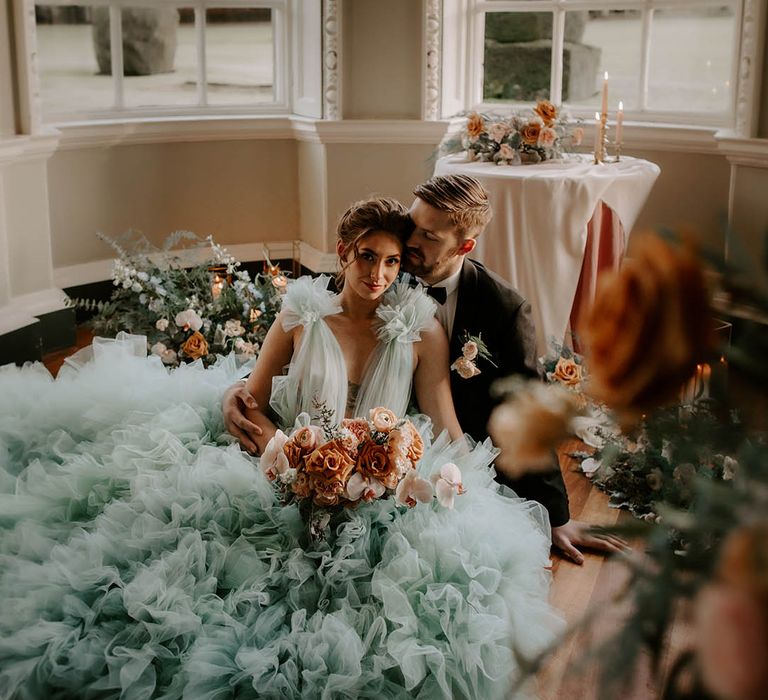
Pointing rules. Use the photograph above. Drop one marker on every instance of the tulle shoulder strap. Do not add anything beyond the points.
(405, 311)
(307, 300)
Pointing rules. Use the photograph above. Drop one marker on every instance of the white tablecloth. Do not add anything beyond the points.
(537, 238)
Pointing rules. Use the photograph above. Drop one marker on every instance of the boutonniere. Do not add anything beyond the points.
(472, 348)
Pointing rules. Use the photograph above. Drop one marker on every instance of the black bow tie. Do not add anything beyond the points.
(439, 294)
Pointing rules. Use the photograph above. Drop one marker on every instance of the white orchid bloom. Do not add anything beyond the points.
(274, 463)
(189, 319)
(368, 489)
(412, 489)
(447, 484)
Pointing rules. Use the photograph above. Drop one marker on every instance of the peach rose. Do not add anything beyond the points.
(475, 126)
(330, 460)
(529, 425)
(547, 111)
(416, 444)
(469, 350)
(306, 438)
(383, 419)
(196, 346)
(506, 152)
(530, 133)
(498, 131)
(732, 619)
(302, 486)
(649, 326)
(577, 136)
(567, 372)
(357, 426)
(296, 456)
(547, 138)
(466, 368)
(374, 462)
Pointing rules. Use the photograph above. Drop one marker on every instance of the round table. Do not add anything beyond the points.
(555, 227)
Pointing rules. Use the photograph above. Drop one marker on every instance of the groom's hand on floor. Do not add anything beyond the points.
(236, 399)
(575, 535)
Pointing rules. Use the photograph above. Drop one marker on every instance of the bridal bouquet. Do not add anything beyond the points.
(517, 139)
(359, 460)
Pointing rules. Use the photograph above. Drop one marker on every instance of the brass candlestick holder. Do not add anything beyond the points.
(602, 140)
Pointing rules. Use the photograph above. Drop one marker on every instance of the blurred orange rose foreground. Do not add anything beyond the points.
(649, 326)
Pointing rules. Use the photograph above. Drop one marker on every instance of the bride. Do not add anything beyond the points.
(145, 555)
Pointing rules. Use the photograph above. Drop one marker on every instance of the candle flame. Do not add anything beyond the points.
(605, 75)
(597, 116)
(621, 106)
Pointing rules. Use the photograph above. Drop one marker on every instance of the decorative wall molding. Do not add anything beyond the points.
(23, 310)
(430, 109)
(371, 131)
(18, 149)
(101, 270)
(749, 72)
(669, 138)
(740, 151)
(331, 59)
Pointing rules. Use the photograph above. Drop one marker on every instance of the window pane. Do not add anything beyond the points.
(159, 57)
(596, 42)
(692, 54)
(239, 49)
(517, 56)
(66, 56)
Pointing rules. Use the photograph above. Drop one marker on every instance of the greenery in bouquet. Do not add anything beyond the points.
(192, 303)
(517, 139)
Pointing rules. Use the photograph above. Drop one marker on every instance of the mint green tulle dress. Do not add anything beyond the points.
(144, 555)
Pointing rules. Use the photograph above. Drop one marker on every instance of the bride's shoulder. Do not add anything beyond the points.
(406, 310)
(308, 299)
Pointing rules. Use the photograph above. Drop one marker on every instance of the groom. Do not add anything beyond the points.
(449, 213)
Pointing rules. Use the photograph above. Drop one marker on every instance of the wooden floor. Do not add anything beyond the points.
(575, 589)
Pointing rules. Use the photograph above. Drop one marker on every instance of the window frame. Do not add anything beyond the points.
(464, 34)
(281, 67)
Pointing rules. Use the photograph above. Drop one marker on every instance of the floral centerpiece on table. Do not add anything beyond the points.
(190, 304)
(517, 139)
(358, 460)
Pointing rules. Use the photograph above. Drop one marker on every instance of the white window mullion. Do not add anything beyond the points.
(558, 42)
(278, 54)
(645, 58)
(116, 54)
(202, 65)
(476, 67)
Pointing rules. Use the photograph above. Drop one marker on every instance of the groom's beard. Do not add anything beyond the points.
(414, 264)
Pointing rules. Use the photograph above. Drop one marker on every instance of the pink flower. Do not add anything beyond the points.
(466, 368)
(447, 484)
(368, 489)
(383, 419)
(273, 461)
(161, 324)
(498, 131)
(469, 350)
(307, 438)
(413, 489)
(578, 136)
(506, 152)
(547, 137)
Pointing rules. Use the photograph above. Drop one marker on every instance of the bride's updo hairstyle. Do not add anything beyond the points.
(463, 198)
(364, 217)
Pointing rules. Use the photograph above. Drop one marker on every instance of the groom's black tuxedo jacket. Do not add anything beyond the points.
(489, 307)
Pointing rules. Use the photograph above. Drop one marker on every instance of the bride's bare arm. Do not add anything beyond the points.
(276, 352)
(432, 382)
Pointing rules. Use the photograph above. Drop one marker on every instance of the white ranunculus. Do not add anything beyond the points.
(169, 357)
(161, 324)
(158, 349)
(234, 328)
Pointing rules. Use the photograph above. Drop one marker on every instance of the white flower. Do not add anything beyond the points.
(161, 324)
(189, 319)
(136, 287)
(169, 357)
(466, 368)
(143, 276)
(412, 489)
(274, 463)
(359, 487)
(730, 467)
(245, 348)
(469, 350)
(234, 328)
(506, 152)
(288, 476)
(158, 349)
(447, 484)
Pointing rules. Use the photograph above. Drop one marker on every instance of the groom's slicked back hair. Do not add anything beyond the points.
(462, 197)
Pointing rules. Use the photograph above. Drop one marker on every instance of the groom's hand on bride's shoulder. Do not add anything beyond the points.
(236, 399)
(575, 535)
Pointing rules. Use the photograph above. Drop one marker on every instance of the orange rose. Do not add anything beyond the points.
(295, 454)
(196, 346)
(302, 486)
(649, 326)
(475, 125)
(374, 462)
(327, 492)
(547, 111)
(567, 372)
(330, 460)
(416, 446)
(530, 133)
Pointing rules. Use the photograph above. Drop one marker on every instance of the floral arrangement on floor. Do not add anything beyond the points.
(359, 460)
(188, 309)
(517, 139)
(696, 474)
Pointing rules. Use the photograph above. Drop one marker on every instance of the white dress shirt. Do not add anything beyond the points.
(446, 313)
